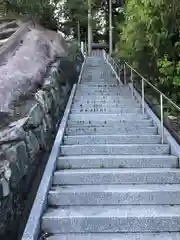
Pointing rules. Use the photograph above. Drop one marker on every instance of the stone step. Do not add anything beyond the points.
(111, 139)
(117, 161)
(82, 106)
(106, 110)
(117, 176)
(101, 123)
(100, 93)
(102, 86)
(112, 130)
(105, 105)
(115, 149)
(103, 80)
(105, 97)
(98, 195)
(107, 117)
(98, 219)
(106, 79)
(102, 97)
(121, 101)
(117, 236)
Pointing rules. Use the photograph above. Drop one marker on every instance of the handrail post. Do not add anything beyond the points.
(132, 82)
(162, 118)
(119, 72)
(142, 81)
(125, 74)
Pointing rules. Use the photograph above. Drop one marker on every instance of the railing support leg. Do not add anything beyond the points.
(142, 95)
(162, 118)
(132, 84)
(125, 74)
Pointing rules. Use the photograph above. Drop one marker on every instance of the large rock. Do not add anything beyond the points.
(35, 86)
(23, 72)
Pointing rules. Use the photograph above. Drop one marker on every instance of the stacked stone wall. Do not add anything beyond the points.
(25, 141)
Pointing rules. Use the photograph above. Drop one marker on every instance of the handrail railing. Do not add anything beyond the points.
(143, 80)
(115, 66)
(162, 95)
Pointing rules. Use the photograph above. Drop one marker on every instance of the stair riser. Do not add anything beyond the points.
(101, 98)
(106, 110)
(123, 162)
(114, 150)
(121, 102)
(116, 124)
(107, 89)
(103, 80)
(106, 117)
(75, 140)
(111, 130)
(105, 105)
(116, 178)
(113, 198)
(91, 85)
(117, 236)
(103, 93)
(110, 224)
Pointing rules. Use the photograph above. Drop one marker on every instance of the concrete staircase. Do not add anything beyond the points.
(114, 179)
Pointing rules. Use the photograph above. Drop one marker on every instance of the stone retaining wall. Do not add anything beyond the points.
(23, 142)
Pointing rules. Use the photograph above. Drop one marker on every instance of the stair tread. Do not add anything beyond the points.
(113, 135)
(118, 156)
(117, 236)
(116, 161)
(118, 145)
(116, 188)
(134, 192)
(130, 211)
(113, 127)
(119, 170)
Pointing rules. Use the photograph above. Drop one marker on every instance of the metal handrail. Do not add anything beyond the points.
(162, 95)
(109, 59)
(155, 88)
(143, 80)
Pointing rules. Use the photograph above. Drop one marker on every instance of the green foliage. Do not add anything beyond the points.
(149, 40)
(76, 11)
(41, 10)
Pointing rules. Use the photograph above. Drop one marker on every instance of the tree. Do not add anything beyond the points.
(43, 10)
(76, 12)
(149, 40)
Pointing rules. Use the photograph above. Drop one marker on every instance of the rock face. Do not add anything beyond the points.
(45, 69)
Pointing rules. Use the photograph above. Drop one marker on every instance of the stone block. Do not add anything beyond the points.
(98, 219)
(40, 135)
(44, 98)
(32, 145)
(35, 116)
(17, 156)
(15, 132)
